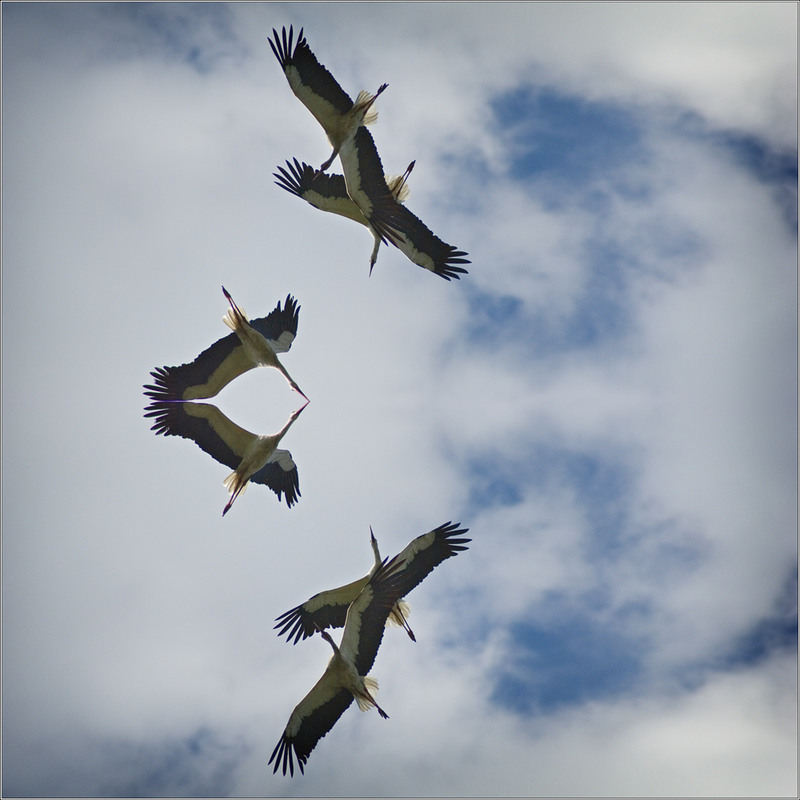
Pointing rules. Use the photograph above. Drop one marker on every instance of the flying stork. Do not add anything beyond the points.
(253, 343)
(329, 609)
(328, 192)
(319, 91)
(253, 458)
(345, 677)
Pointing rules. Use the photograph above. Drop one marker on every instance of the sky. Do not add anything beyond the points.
(607, 400)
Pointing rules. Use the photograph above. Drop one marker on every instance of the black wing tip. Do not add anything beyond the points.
(449, 273)
(285, 752)
(162, 411)
(282, 46)
(291, 494)
(297, 179)
(291, 625)
(162, 389)
(447, 268)
(450, 530)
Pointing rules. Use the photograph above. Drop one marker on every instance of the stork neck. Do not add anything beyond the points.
(375, 550)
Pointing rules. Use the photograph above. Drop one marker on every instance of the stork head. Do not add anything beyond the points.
(376, 552)
(296, 414)
(289, 422)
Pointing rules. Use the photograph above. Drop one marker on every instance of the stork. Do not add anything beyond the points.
(328, 192)
(253, 458)
(320, 93)
(253, 343)
(329, 609)
(345, 677)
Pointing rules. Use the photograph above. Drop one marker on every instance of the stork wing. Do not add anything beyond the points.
(204, 377)
(426, 249)
(280, 474)
(279, 327)
(426, 552)
(311, 719)
(367, 615)
(324, 610)
(322, 190)
(367, 187)
(312, 84)
(205, 425)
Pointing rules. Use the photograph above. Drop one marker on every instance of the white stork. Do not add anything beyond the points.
(328, 192)
(329, 609)
(253, 458)
(363, 175)
(320, 93)
(345, 677)
(253, 343)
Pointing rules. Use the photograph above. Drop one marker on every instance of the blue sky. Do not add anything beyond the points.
(607, 401)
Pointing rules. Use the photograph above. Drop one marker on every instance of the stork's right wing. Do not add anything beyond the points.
(205, 425)
(324, 610)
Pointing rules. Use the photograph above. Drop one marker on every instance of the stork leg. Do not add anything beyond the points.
(364, 104)
(368, 698)
(235, 485)
(235, 318)
(404, 622)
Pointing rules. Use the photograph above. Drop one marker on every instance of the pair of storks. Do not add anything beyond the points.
(362, 193)
(363, 607)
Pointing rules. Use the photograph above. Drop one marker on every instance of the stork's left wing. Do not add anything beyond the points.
(310, 81)
(312, 718)
(424, 248)
(325, 191)
(204, 377)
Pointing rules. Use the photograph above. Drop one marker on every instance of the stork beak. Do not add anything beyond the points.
(301, 392)
(296, 414)
(371, 534)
